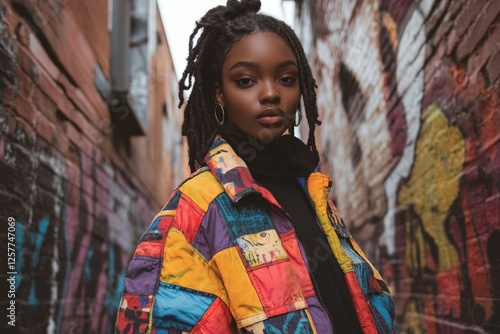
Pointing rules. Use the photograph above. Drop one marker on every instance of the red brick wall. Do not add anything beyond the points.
(409, 97)
(80, 194)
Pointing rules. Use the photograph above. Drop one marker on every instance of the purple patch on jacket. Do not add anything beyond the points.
(142, 275)
(282, 224)
(319, 316)
(212, 235)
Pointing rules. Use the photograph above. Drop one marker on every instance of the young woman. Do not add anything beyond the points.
(250, 242)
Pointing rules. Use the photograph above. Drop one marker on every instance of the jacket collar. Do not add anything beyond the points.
(233, 173)
(235, 177)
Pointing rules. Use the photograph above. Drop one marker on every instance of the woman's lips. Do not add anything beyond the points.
(271, 116)
(270, 120)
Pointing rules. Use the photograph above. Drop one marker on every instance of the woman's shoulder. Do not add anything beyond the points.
(201, 188)
(190, 201)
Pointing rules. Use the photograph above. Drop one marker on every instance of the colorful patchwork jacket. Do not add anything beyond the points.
(222, 257)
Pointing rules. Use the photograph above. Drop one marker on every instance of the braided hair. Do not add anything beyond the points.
(221, 27)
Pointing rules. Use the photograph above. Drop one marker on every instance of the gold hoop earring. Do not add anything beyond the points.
(295, 123)
(223, 114)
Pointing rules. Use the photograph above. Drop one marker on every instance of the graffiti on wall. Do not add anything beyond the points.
(75, 234)
(415, 159)
(447, 215)
(80, 194)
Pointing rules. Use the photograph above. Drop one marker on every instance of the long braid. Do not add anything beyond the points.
(307, 87)
(220, 28)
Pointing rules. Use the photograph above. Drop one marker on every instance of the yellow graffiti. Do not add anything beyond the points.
(434, 183)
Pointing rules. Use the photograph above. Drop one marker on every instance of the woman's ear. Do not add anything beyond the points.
(219, 96)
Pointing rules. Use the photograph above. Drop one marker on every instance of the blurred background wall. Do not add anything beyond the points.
(409, 99)
(80, 188)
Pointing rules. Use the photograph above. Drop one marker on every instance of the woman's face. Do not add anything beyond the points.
(260, 85)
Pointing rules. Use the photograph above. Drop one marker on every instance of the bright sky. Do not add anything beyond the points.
(179, 17)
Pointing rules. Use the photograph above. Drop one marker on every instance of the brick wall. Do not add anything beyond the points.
(80, 193)
(409, 99)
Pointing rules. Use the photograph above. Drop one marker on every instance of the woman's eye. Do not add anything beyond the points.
(288, 80)
(244, 82)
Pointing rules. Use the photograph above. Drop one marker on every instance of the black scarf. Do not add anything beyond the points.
(283, 157)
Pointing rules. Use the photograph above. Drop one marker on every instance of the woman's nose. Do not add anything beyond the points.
(270, 92)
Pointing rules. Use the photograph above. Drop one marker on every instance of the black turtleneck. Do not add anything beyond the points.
(276, 165)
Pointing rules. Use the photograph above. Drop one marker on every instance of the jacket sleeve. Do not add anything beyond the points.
(169, 286)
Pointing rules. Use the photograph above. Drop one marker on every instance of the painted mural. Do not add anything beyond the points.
(410, 109)
(74, 244)
(77, 217)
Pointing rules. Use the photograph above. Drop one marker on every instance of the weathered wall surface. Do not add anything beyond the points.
(409, 97)
(81, 195)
